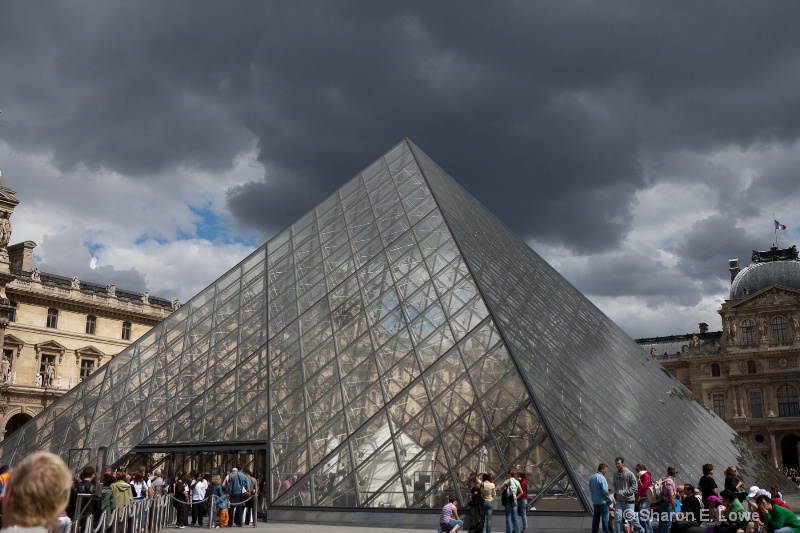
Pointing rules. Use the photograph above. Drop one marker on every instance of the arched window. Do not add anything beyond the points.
(779, 332)
(751, 367)
(787, 401)
(52, 318)
(748, 332)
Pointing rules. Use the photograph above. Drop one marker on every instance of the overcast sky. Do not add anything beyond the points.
(637, 146)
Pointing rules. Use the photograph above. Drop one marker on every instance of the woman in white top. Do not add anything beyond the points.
(199, 487)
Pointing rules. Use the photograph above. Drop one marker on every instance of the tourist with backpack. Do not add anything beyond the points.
(643, 502)
(239, 490)
(509, 493)
(665, 492)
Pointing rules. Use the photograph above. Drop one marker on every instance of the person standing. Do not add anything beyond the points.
(198, 488)
(707, 484)
(511, 491)
(644, 480)
(489, 494)
(522, 502)
(237, 485)
(598, 487)
(250, 509)
(625, 485)
(667, 505)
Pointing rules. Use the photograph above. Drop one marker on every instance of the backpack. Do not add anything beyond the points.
(509, 495)
(655, 492)
(107, 503)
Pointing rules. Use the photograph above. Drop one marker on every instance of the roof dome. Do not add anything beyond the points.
(759, 276)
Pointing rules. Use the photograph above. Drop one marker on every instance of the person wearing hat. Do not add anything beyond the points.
(777, 519)
(717, 510)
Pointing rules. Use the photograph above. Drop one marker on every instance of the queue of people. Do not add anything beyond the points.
(635, 502)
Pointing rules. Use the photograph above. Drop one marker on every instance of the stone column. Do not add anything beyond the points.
(769, 400)
(773, 447)
(741, 394)
(735, 398)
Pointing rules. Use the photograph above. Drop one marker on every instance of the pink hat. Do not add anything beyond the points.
(714, 499)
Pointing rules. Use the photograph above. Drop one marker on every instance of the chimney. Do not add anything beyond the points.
(733, 266)
(20, 255)
(703, 328)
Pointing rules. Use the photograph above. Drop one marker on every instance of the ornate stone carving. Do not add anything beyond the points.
(5, 368)
(36, 275)
(694, 342)
(176, 304)
(5, 228)
(76, 284)
(795, 318)
(145, 297)
(653, 351)
(781, 363)
(111, 290)
(705, 370)
(49, 374)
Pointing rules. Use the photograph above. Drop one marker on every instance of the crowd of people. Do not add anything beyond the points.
(513, 497)
(88, 496)
(638, 502)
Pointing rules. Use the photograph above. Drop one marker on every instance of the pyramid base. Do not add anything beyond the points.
(554, 522)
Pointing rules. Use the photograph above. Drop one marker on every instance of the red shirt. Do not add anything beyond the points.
(523, 483)
(644, 482)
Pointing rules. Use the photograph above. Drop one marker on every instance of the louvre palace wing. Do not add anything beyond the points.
(392, 340)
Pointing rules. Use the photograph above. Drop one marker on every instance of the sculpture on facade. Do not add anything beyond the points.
(796, 325)
(76, 283)
(5, 369)
(762, 329)
(36, 275)
(694, 342)
(146, 297)
(5, 229)
(653, 351)
(38, 380)
(49, 374)
(111, 289)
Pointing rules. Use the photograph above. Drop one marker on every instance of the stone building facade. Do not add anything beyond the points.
(749, 373)
(57, 330)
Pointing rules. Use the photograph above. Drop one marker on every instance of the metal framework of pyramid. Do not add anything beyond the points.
(400, 334)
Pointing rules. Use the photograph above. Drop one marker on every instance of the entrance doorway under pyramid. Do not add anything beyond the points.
(389, 344)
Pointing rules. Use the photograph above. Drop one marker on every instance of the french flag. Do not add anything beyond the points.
(780, 226)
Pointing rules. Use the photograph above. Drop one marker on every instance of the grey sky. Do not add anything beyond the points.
(637, 146)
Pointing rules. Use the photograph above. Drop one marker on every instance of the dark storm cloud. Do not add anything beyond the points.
(542, 110)
(704, 251)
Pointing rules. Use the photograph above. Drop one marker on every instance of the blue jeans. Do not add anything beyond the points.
(512, 524)
(644, 515)
(486, 516)
(665, 511)
(450, 525)
(522, 512)
(600, 517)
(624, 511)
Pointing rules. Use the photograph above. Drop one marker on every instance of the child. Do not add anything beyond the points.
(222, 505)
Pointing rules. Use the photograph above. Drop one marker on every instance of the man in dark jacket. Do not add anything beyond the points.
(82, 503)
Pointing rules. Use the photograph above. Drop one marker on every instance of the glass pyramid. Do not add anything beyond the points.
(393, 340)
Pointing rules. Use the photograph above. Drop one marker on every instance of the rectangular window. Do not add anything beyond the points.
(91, 324)
(719, 405)
(52, 318)
(12, 313)
(126, 331)
(87, 367)
(756, 407)
(44, 362)
(715, 370)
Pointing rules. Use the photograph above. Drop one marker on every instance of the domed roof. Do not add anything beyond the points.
(759, 276)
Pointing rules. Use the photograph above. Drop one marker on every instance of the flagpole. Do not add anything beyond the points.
(775, 224)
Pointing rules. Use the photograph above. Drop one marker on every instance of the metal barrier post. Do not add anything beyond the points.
(255, 508)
